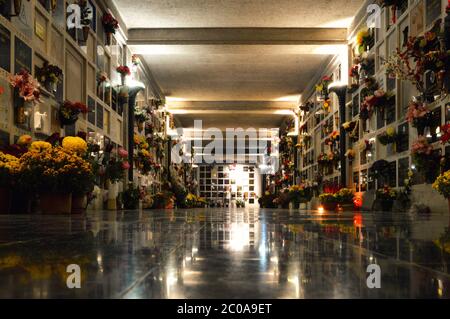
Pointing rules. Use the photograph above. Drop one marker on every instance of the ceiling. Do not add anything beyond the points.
(216, 60)
(237, 13)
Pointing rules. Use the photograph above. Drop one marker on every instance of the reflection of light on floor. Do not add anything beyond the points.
(239, 236)
(320, 210)
(295, 281)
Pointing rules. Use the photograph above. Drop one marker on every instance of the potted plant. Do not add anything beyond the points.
(49, 75)
(54, 173)
(297, 195)
(386, 197)
(344, 198)
(9, 170)
(328, 201)
(163, 200)
(110, 25)
(131, 197)
(84, 182)
(69, 111)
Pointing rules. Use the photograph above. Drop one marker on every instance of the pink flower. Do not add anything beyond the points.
(122, 152)
(126, 165)
(380, 93)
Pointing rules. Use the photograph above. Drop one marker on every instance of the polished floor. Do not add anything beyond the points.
(225, 253)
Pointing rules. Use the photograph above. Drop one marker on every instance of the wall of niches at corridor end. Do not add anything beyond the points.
(39, 34)
(411, 18)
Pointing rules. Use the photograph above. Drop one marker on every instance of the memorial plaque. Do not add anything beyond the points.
(24, 21)
(99, 111)
(5, 105)
(433, 10)
(22, 58)
(91, 108)
(5, 49)
(417, 19)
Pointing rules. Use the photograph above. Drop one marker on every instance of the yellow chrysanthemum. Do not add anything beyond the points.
(40, 146)
(390, 131)
(74, 144)
(24, 140)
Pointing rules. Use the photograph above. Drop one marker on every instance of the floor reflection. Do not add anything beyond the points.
(221, 253)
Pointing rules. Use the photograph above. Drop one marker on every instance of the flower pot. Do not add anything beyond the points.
(329, 206)
(5, 201)
(386, 205)
(122, 79)
(86, 29)
(53, 203)
(17, 6)
(79, 204)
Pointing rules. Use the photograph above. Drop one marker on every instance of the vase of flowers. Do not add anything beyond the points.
(131, 197)
(123, 70)
(386, 197)
(49, 75)
(110, 25)
(69, 111)
(419, 116)
(27, 89)
(388, 137)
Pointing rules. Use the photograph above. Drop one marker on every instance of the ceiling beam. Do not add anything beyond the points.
(238, 36)
(230, 105)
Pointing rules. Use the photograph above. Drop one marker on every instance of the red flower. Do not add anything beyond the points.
(123, 69)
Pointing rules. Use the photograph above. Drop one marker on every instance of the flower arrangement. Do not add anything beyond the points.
(9, 168)
(421, 147)
(386, 193)
(344, 196)
(445, 131)
(267, 200)
(49, 73)
(425, 159)
(327, 198)
(143, 158)
(69, 111)
(364, 146)
(123, 70)
(163, 200)
(131, 197)
(27, 86)
(194, 201)
(332, 139)
(141, 115)
(379, 100)
(322, 87)
(115, 166)
(364, 38)
(442, 184)
(110, 24)
(350, 154)
(298, 194)
(75, 144)
(419, 116)
(48, 169)
(307, 106)
(426, 53)
(354, 72)
(388, 137)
